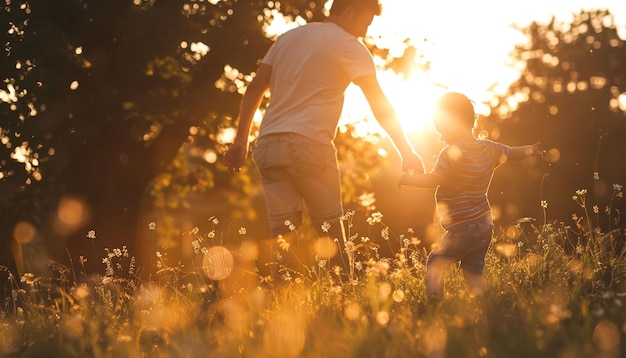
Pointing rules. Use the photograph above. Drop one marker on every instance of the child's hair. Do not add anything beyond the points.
(459, 105)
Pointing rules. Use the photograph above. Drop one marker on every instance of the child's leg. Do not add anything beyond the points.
(475, 282)
(436, 267)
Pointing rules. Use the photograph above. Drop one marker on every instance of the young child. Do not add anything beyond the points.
(462, 175)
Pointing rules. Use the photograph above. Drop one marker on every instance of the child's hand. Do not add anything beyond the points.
(535, 150)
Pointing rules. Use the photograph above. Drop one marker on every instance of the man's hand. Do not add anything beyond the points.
(234, 157)
(413, 164)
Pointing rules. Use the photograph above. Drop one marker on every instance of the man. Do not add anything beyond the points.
(307, 71)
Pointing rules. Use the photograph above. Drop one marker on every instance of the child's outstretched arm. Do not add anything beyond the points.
(526, 151)
(424, 181)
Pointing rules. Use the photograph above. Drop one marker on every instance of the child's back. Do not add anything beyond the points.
(468, 169)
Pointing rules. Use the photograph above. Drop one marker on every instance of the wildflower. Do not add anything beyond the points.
(365, 239)
(321, 263)
(214, 220)
(158, 254)
(574, 197)
(195, 230)
(290, 225)
(406, 242)
(544, 204)
(617, 187)
(117, 252)
(410, 230)
(196, 246)
(325, 227)
(385, 233)
(376, 218)
(596, 176)
(358, 265)
(282, 243)
(607, 209)
(574, 217)
(579, 249)
(91, 234)
(82, 259)
(242, 231)
(204, 251)
(287, 276)
(28, 278)
(152, 226)
(124, 251)
(596, 209)
(131, 266)
(211, 234)
(581, 192)
(347, 216)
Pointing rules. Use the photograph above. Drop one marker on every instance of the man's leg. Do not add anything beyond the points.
(316, 174)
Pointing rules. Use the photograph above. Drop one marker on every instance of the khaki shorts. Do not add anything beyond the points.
(297, 171)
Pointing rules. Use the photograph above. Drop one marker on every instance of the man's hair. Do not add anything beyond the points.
(372, 5)
(459, 105)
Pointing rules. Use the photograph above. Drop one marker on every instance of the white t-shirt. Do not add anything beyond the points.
(311, 67)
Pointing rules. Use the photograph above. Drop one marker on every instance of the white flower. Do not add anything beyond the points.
(211, 235)
(596, 209)
(544, 204)
(242, 231)
(195, 230)
(325, 227)
(214, 220)
(385, 233)
(596, 176)
(152, 226)
(581, 192)
(158, 254)
(91, 234)
(376, 218)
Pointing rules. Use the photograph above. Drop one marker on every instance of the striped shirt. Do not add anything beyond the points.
(467, 170)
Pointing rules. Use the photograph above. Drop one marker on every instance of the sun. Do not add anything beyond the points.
(413, 99)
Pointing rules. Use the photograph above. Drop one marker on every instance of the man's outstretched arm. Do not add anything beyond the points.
(250, 102)
(388, 119)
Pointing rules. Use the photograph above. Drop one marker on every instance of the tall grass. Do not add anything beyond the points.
(555, 290)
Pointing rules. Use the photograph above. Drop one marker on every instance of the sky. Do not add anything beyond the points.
(468, 43)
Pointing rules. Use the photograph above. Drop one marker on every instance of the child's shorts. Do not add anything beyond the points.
(467, 243)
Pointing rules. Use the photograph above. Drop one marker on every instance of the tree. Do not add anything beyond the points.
(571, 96)
(107, 101)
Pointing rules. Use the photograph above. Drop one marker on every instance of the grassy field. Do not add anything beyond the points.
(555, 290)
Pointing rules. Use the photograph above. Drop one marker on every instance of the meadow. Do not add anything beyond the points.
(556, 289)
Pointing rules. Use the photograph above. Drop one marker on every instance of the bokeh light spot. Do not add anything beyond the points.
(325, 248)
(24, 232)
(284, 336)
(606, 335)
(553, 155)
(218, 263)
(71, 214)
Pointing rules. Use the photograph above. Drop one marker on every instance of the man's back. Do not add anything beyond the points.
(311, 67)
